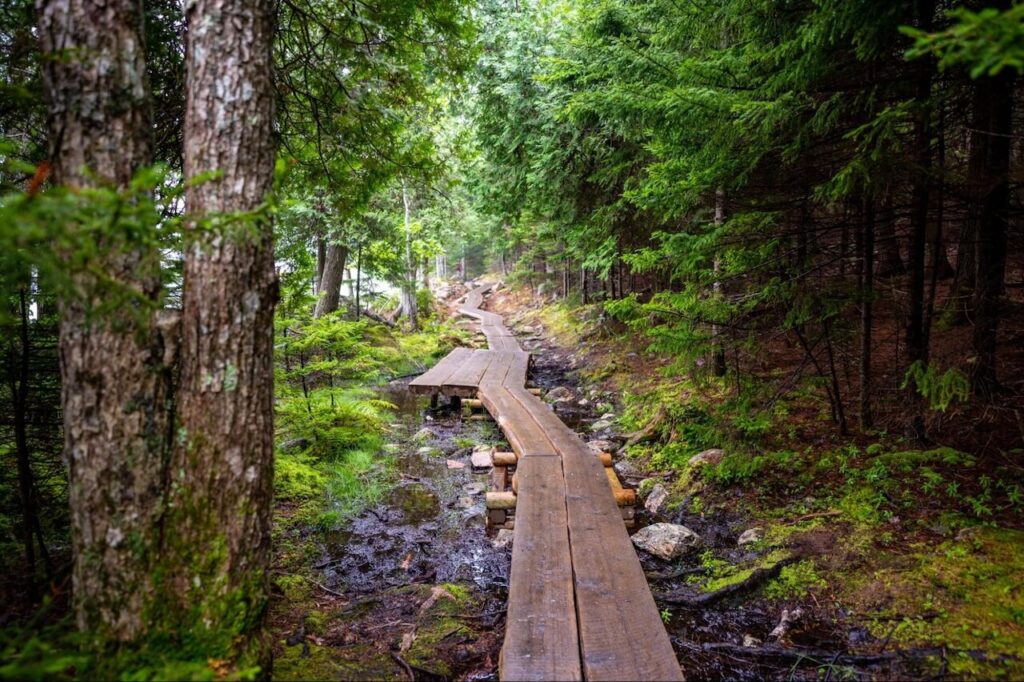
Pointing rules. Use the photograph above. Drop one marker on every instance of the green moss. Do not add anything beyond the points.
(794, 581)
(295, 587)
(313, 662)
(964, 594)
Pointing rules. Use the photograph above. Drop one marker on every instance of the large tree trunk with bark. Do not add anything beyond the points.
(115, 387)
(330, 283)
(222, 468)
(990, 202)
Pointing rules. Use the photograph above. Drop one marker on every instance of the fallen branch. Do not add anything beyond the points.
(325, 588)
(808, 517)
(648, 432)
(669, 575)
(755, 579)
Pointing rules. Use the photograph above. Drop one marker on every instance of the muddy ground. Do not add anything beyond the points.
(414, 588)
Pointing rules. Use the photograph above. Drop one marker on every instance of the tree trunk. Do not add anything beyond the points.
(916, 332)
(19, 395)
(321, 262)
(359, 277)
(718, 349)
(330, 284)
(867, 273)
(890, 263)
(218, 538)
(114, 387)
(408, 293)
(990, 164)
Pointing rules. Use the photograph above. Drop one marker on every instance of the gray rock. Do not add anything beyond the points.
(601, 424)
(626, 469)
(526, 329)
(666, 540)
(750, 536)
(427, 450)
(750, 641)
(582, 402)
(423, 434)
(503, 538)
(708, 457)
(559, 393)
(481, 457)
(602, 445)
(656, 499)
(294, 444)
(474, 488)
(464, 502)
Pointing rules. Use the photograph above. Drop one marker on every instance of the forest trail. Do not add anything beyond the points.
(579, 606)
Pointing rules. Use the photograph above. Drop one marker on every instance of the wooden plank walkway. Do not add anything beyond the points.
(579, 606)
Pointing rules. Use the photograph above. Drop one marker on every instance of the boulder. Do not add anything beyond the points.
(526, 329)
(503, 538)
(627, 470)
(601, 425)
(423, 434)
(708, 457)
(559, 393)
(656, 499)
(750, 536)
(666, 540)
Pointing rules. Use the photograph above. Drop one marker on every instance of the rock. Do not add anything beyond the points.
(750, 641)
(426, 450)
(601, 424)
(666, 540)
(708, 457)
(452, 464)
(582, 402)
(656, 499)
(602, 445)
(294, 444)
(481, 457)
(750, 536)
(626, 469)
(503, 538)
(526, 329)
(465, 502)
(474, 488)
(559, 393)
(423, 434)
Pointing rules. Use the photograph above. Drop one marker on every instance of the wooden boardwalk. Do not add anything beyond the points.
(579, 606)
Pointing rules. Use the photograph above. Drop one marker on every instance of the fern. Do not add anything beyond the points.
(940, 390)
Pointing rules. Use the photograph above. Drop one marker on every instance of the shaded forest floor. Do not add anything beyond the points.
(901, 560)
(877, 558)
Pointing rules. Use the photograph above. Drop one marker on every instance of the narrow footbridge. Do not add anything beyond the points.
(578, 605)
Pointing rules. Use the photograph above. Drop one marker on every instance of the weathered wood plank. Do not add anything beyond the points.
(432, 380)
(541, 640)
(620, 629)
(463, 381)
(522, 432)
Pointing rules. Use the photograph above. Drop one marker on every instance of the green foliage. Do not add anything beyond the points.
(940, 390)
(984, 42)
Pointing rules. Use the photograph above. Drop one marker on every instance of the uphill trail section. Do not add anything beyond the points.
(579, 606)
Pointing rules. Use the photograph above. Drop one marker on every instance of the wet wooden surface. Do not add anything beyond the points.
(579, 606)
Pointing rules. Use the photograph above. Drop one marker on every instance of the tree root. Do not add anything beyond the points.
(755, 579)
